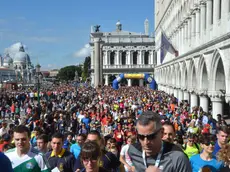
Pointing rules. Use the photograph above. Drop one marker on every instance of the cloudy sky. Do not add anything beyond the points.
(56, 33)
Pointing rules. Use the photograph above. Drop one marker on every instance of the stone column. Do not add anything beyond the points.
(150, 57)
(197, 26)
(180, 95)
(194, 101)
(209, 19)
(225, 5)
(141, 82)
(193, 30)
(92, 80)
(182, 39)
(127, 58)
(209, 15)
(216, 17)
(186, 95)
(171, 90)
(175, 92)
(225, 9)
(216, 12)
(139, 56)
(217, 106)
(106, 79)
(120, 57)
(131, 57)
(202, 20)
(105, 58)
(101, 65)
(92, 57)
(189, 32)
(204, 102)
(97, 62)
(129, 82)
(185, 36)
(108, 57)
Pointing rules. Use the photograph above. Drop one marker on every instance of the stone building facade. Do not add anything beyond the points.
(113, 53)
(200, 31)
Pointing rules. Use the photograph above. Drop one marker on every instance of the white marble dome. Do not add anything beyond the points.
(21, 57)
(7, 59)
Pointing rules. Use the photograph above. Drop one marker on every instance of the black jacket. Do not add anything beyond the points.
(64, 163)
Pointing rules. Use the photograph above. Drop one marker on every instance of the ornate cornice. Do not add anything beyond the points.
(202, 3)
(203, 92)
(215, 94)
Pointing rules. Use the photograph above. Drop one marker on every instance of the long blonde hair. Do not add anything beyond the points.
(224, 154)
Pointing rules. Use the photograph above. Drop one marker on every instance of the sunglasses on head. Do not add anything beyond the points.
(149, 136)
(210, 143)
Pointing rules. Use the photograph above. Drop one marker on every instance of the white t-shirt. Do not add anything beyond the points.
(124, 152)
(80, 116)
(3, 131)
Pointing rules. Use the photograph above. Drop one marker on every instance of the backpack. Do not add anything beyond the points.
(184, 147)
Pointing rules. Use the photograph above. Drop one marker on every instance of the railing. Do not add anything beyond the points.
(126, 66)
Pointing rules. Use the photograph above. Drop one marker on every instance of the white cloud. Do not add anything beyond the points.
(49, 65)
(83, 52)
(44, 39)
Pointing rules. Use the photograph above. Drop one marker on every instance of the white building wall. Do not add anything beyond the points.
(200, 31)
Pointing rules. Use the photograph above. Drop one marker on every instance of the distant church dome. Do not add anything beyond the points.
(21, 57)
(7, 59)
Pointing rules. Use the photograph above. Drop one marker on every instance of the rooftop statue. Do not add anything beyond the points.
(97, 28)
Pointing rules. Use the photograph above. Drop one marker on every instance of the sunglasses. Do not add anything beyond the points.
(87, 160)
(149, 136)
(210, 143)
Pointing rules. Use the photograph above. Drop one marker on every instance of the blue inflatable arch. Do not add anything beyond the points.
(145, 76)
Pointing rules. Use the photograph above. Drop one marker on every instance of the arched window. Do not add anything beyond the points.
(146, 58)
(112, 58)
(135, 58)
(123, 58)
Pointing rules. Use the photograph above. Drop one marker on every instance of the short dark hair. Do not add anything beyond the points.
(167, 123)
(58, 136)
(95, 132)
(90, 150)
(43, 137)
(82, 135)
(22, 129)
(38, 129)
(224, 129)
(147, 117)
(191, 136)
(205, 138)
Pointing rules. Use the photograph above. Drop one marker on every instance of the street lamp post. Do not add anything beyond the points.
(38, 81)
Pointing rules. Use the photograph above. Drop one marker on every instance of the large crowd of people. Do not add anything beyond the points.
(132, 129)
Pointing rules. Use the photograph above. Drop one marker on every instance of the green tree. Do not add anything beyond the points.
(68, 73)
(86, 68)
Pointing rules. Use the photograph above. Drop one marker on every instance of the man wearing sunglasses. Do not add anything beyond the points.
(153, 154)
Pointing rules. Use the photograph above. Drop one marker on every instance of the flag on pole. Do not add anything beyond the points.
(166, 46)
